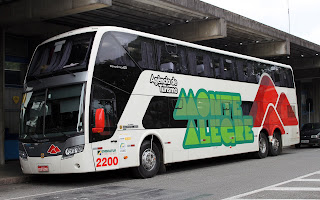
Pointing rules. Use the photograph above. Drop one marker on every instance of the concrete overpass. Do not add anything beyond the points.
(25, 23)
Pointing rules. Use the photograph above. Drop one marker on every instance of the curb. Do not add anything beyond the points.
(15, 180)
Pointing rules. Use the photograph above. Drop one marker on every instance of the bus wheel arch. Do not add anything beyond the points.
(160, 145)
(150, 157)
(275, 146)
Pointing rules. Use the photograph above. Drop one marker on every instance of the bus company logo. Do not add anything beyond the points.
(123, 148)
(53, 150)
(165, 84)
(106, 152)
(270, 109)
(214, 119)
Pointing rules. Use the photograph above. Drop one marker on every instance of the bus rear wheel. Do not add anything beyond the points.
(275, 147)
(263, 146)
(149, 160)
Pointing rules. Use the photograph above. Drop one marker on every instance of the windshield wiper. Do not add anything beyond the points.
(58, 130)
(38, 140)
(112, 85)
(70, 72)
(70, 65)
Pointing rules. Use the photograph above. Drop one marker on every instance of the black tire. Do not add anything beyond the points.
(275, 147)
(263, 146)
(149, 161)
(298, 146)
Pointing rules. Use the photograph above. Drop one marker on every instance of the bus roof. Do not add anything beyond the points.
(166, 39)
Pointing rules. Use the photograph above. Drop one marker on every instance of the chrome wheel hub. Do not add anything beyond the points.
(148, 159)
(275, 144)
(262, 145)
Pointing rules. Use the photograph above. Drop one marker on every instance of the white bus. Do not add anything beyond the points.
(104, 98)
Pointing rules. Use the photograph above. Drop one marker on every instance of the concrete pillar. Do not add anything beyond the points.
(316, 99)
(268, 49)
(298, 91)
(2, 59)
(196, 31)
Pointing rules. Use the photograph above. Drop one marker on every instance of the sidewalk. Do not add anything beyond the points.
(11, 173)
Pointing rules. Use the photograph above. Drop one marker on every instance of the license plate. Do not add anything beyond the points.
(43, 168)
(304, 141)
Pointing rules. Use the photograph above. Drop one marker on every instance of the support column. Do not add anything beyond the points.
(2, 59)
(316, 99)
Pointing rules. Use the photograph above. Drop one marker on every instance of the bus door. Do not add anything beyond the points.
(103, 125)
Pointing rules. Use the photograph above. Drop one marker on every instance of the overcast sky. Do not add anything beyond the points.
(304, 14)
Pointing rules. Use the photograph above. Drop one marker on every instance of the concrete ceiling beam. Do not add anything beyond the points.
(195, 31)
(242, 22)
(305, 63)
(270, 49)
(38, 10)
(175, 8)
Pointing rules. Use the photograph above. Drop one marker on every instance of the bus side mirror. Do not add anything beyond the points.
(99, 121)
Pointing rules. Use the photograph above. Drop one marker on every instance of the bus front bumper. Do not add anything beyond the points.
(78, 163)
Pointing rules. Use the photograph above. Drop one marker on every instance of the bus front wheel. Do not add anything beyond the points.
(149, 160)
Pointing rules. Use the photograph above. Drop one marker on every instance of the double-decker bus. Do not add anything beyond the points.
(105, 98)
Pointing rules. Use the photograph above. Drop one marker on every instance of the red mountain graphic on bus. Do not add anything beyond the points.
(271, 110)
(53, 149)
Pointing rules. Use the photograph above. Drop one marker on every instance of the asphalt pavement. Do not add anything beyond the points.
(295, 174)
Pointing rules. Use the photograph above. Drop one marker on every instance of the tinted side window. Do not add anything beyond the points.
(167, 57)
(276, 74)
(157, 114)
(251, 74)
(246, 107)
(200, 63)
(229, 69)
(112, 53)
(139, 48)
(115, 68)
(290, 78)
(106, 99)
(261, 68)
(242, 70)
(218, 66)
(192, 61)
(113, 64)
(208, 65)
(286, 78)
(183, 65)
(175, 123)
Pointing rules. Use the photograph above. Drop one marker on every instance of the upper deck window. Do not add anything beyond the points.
(70, 53)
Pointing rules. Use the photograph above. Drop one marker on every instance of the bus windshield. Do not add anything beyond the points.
(60, 56)
(52, 113)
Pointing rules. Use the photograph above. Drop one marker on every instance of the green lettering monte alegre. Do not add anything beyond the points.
(214, 119)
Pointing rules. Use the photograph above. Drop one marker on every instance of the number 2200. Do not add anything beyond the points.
(107, 162)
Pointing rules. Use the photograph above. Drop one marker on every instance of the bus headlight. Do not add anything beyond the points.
(315, 136)
(23, 155)
(70, 151)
